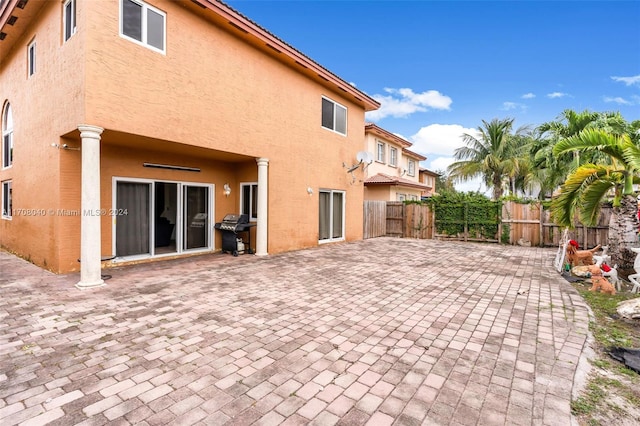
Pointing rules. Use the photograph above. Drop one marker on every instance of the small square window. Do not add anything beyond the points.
(393, 157)
(412, 168)
(143, 24)
(334, 116)
(380, 152)
(249, 200)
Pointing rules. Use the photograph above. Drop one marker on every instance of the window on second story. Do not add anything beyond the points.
(411, 168)
(393, 157)
(334, 116)
(31, 58)
(143, 24)
(7, 136)
(69, 18)
(249, 200)
(380, 151)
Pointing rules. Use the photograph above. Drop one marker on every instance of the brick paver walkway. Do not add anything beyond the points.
(383, 331)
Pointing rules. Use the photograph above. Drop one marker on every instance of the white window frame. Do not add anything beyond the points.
(381, 152)
(253, 187)
(143, 26)
(401, 197)
(411, 168)
(72, 28)
(7, 136)
(336, 105)
(331, 192)
(7, 200)
(393, 156)
(31, 58)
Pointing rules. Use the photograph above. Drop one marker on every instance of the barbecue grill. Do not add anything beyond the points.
(231, 226)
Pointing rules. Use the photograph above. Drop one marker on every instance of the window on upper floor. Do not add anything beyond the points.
(334, 116)
(143, 24)
(411, 166)
(380, 151)
(69, 18)
(249, 200)
(7, 202)
(7, 136)
(31, 58)
(393, 157)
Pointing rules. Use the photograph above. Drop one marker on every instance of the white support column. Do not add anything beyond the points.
(90, 237)
(263, 185)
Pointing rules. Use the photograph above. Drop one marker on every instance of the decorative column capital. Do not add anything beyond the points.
(89, 131)
(262, 161)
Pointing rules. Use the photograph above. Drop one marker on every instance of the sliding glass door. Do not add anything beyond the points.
(161, 218)
(331, 216)
(196, 213)
(132, 229)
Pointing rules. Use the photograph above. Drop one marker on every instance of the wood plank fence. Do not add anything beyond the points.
(525, 223)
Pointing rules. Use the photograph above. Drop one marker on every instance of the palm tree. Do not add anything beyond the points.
(590, 184)
(491, 155)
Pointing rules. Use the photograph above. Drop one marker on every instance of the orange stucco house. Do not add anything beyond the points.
(130, 127)
(393, 174)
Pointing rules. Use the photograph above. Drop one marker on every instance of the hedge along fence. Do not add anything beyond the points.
(508, 222)
(468, 221)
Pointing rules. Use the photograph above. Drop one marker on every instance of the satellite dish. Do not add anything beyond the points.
(364, 157)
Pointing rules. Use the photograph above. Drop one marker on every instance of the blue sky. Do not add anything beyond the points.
(441, 67)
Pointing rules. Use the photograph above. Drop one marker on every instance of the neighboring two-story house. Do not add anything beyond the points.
(393, 175)
(428, 177)
(130, 127)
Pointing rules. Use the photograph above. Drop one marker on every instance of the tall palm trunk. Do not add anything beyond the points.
(623, 234)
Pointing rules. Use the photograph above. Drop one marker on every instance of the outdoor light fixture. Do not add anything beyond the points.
(226, 189)
(309, 190)
(65, 147)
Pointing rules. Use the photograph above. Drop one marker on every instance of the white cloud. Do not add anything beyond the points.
(439, 139)
(555, 95)
(528, 96)
(403, 102)
(508, 106)
(629, 81)
(617, 100)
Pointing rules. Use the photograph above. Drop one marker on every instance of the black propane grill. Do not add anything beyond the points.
(231, 226)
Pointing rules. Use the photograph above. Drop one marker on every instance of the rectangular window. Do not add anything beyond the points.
(393, 157)
(7, 200)
(7, 137)
(249, 200)
(31, 58)
(380, 151)
(143, 24)
(331, 217)
(69, 18)
(334, 116)
(412, 168)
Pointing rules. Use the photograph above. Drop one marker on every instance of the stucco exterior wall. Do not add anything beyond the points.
(45, 106)
(210, 90)
(215, 91)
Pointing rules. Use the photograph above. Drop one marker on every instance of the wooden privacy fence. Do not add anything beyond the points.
(519, 224)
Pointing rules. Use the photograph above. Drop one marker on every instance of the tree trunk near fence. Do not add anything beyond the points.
(623, 234)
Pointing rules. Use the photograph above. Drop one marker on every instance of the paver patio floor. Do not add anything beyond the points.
(382, 331)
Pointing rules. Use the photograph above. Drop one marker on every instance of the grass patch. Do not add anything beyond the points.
(595, 406)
